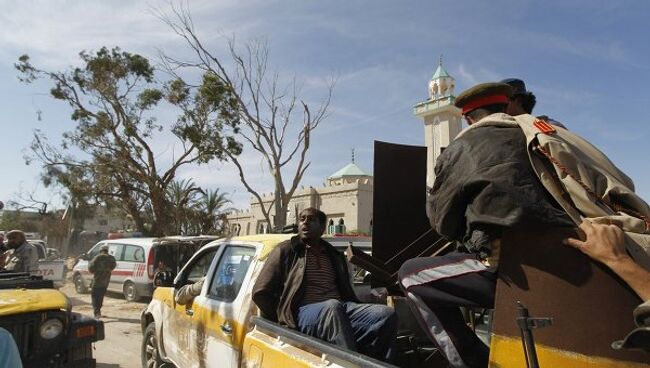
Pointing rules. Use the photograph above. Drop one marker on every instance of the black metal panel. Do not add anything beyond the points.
(401, 229)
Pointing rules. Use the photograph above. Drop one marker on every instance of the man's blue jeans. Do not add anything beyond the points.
(370, 329)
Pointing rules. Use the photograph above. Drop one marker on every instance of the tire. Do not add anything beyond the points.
(130, 292)
(149, 349)
(79, 285)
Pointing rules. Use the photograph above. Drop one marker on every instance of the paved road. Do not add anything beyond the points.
(121, 346)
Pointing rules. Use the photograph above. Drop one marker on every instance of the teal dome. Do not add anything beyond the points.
(350, 169)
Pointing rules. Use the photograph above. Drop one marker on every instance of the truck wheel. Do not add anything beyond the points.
(130, 292)
(79, 286)
(150, 356)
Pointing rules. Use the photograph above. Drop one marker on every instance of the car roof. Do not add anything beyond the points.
(130, 241)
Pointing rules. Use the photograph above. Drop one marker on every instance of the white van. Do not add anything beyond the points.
(138, 260)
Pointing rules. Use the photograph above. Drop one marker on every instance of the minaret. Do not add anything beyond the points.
(442, 120)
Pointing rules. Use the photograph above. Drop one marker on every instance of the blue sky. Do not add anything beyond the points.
(585, 60)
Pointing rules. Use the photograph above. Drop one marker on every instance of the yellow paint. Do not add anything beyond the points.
(263, 351)
(210, 322)
(508, 352)
(15, 301)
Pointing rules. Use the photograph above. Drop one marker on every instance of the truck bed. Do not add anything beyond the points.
(271, 345)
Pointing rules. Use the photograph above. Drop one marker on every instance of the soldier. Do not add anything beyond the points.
(484, 183)
(523, 101)
(101, 267)
(24, 257)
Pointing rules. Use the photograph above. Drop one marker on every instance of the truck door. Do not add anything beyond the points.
(179, 321)
(220, 314)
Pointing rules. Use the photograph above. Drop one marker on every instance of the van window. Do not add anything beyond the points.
(133, 253)
(230, 273)
(115, 250)
(95, 251)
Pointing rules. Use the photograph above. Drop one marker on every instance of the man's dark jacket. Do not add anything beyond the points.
(485, 182)
(101, 267)
(279, 288)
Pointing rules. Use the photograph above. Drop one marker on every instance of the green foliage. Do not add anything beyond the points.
(114, 98)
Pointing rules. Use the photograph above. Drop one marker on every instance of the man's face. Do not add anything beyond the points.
(309, 226)
(14, 241)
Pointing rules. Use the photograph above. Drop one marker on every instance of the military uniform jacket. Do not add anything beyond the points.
(23, 259)
(101, 267)
(485, 182)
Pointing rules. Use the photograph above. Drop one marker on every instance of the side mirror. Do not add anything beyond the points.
(164, 279)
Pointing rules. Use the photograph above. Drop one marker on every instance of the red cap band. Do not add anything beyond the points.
(484, 101)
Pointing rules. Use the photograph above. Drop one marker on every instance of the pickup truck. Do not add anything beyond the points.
(46, 330)
(220, 327)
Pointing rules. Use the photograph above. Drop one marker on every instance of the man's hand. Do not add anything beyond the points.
(604, 243)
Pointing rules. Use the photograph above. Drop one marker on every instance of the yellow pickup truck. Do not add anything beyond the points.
(220, 328)
(46, 330)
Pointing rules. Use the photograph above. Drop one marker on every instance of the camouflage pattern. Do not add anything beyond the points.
(187, 293)
(23, 259)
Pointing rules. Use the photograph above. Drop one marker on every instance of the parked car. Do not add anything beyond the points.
(138, 260)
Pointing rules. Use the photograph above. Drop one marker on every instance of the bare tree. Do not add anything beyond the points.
(275, 122)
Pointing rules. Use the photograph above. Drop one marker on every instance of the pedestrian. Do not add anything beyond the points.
(101, 267)
(305, 285)
(23, 256)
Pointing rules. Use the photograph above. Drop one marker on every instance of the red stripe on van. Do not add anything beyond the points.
(121, 273)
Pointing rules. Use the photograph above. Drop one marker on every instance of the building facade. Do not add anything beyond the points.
(442, 120)
(346, 199)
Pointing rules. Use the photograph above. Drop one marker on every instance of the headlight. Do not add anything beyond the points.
(51, 328)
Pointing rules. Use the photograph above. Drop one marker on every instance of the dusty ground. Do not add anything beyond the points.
(121, 346)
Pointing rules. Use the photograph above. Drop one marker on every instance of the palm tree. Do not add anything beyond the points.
(212, 210)
(183, 196)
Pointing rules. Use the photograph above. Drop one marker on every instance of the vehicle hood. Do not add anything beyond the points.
(17, 301)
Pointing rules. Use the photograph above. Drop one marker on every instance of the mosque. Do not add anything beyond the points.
(346, 196)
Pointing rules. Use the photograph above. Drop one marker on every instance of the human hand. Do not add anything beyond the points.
(603, 243)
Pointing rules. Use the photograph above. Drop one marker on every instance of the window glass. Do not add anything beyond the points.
(94, 251)
(133, 253)
(231, 271)
(200, 266)
(116, 251)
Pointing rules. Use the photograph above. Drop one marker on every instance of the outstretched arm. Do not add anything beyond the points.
(606, 244)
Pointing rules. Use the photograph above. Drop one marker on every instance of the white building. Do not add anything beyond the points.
(346, 199)
(442, 120)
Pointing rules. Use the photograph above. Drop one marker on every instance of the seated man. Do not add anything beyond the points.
(484, 183)
(305, 285)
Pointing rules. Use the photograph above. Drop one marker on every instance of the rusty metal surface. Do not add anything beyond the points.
(401, 229)
(590, 306)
